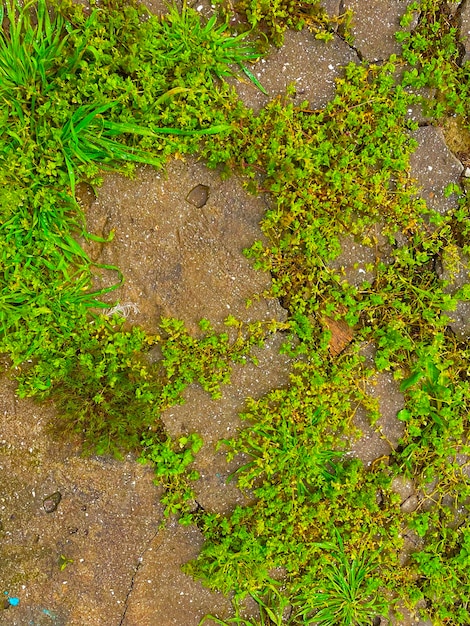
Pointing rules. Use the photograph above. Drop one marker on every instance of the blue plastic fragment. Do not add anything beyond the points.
(14, 601)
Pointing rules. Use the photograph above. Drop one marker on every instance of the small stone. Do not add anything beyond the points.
(467, 172)
(404, 487)
(50, 503)
(198, 196)
(432, 151)
(410, 504)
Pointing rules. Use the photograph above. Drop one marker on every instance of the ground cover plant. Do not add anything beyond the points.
(324, 542)
(275, 16)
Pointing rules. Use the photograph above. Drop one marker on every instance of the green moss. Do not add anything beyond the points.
(85, 92)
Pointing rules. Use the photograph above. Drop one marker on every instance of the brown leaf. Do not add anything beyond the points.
(341, 334)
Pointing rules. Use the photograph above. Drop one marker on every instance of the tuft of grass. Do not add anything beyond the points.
(220, 53)
(348, 594)
(31, 54)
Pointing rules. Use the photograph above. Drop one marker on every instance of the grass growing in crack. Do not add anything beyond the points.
(322, 543)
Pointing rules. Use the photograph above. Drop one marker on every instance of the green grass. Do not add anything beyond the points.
(350, 593)
(32, 57)
(85, 93)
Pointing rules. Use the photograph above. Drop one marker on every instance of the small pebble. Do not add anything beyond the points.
(50, 503)
(198, 196)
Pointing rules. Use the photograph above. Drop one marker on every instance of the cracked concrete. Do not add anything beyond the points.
(374, 26)
(162, 593)
(75, 562)
(142, 557)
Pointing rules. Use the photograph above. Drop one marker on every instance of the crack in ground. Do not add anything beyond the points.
(356, 51)
(140, 561)
(341, 10)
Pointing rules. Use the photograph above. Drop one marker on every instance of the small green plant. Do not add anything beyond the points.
(171, 460)
(273, 607)
(219, 53)
(432, 49)
(102, 385)
(106, 389)
(349, 593)
(64, 562)
(276, 16)
(447, 561)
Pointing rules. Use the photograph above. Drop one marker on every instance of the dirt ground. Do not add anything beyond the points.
(82, 540)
